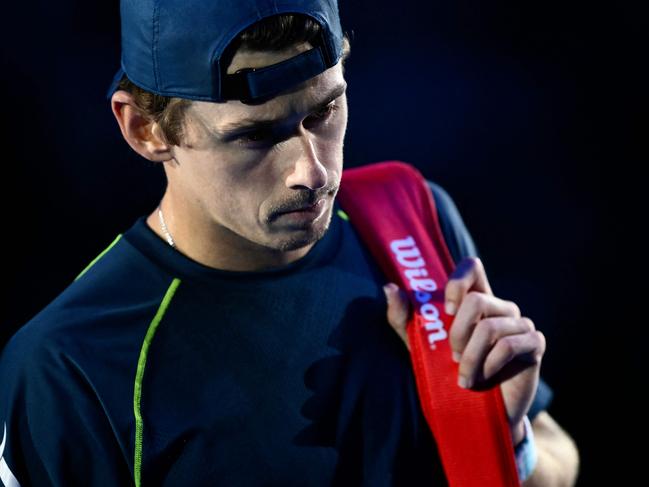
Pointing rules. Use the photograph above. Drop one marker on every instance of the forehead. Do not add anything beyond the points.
(220, 117)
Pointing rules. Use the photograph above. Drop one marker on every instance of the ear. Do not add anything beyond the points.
(142, 134)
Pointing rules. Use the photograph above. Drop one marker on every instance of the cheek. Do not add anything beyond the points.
(229, 184)
(205, 177)
(201, 178)
(242, 183)
(330, 145)
(339, 125)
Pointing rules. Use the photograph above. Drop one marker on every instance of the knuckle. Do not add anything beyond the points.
(508, 344)
(469, 361)
(516, 310)
(456, 338)
(488, 327)
(475, 299)
(458, 284)
(528, 323)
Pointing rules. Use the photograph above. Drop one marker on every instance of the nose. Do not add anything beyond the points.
(307, 170)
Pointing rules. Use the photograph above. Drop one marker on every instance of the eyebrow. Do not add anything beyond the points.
(249, 124)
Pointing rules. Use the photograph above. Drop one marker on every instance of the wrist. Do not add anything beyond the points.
(518, 432)
(525, 452)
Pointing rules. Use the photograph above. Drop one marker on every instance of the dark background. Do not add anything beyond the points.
(529, 115)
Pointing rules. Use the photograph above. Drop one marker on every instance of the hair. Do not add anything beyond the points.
(270, 34)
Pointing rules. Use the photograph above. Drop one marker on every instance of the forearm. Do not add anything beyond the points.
(558, 457)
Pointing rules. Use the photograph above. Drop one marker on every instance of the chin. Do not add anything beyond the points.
(300, 238)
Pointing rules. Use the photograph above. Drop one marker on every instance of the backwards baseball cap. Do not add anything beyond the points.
(176, 47)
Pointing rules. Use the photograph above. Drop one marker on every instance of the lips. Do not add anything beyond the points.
(304, 214)
(314, 207)
(305, 208)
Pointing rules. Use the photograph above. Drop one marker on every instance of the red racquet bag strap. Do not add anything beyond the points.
(391, 207)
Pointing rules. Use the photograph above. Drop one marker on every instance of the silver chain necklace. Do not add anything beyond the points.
(168, 236)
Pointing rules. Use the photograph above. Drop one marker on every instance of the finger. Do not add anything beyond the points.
(475, 307)
(469, 275)
(510, 356)
(527, 347)
(398, 310)
(486, 334)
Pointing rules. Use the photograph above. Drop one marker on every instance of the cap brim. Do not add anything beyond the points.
(115, 83)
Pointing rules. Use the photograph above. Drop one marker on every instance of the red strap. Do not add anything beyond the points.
(391, 207)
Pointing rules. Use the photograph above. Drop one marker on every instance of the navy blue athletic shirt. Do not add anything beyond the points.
(152, 369)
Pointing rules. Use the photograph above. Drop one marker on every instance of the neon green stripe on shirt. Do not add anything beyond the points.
(139, 375)
(99, 257)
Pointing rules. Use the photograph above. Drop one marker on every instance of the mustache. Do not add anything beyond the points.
(306, 199)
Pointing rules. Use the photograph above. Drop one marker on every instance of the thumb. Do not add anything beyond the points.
(398, 310)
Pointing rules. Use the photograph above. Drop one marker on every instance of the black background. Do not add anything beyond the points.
(530, 115)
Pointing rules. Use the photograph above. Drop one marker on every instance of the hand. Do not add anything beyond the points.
(489, 338)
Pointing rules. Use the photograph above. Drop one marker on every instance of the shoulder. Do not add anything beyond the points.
(456, 234)
(81, 349)
(447, 209)
(115, 295)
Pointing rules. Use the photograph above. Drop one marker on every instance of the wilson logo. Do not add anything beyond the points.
(413, 267)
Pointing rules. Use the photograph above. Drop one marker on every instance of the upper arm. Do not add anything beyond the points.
(456, 234)
(56, 430)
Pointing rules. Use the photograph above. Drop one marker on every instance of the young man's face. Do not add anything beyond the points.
(240, 181)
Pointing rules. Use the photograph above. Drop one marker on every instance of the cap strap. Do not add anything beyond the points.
(258, 84)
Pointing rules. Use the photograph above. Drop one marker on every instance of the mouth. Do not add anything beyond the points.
(312, 207)
(307, 212)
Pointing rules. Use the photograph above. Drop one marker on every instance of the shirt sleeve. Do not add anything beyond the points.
(53, 429)
(461, 245)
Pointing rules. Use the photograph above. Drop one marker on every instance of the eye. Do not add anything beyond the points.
(263, 138)
(255, 137)
(325, 112)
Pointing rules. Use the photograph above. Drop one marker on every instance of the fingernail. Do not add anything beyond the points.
(463, 382)
(456, 357)
(386, 290)
(450, 308)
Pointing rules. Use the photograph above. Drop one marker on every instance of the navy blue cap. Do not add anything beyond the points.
(175, 47)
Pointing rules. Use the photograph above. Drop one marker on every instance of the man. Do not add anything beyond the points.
(238, 335)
